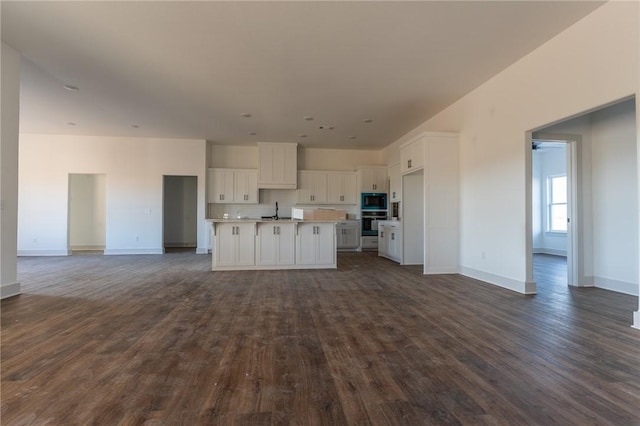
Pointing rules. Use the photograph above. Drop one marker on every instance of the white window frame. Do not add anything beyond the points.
(550, 204)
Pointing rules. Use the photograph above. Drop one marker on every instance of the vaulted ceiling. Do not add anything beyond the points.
(365, 72)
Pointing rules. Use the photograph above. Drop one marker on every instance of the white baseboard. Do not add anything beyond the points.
(87, 247)
(109, 252)
(180, 244)
(9, 290)
(615, 285)
(553, 252)
(636, 320)
(202, 250)
(523, 287)
(44, 252)
(443, 270)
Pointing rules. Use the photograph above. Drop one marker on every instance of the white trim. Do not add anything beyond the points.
(10, 290)
(272, 267)
(109, 252)
(202, 250)
(44, 253)
(180, 245)
(522, 287)
(636, 320)
(553, 252)
(615, 285)
(81, 247)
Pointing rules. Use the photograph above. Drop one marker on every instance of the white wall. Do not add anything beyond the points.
(87, 211)
(9, 106)
(615, 198)
(594, 62)
(134, 169)
(180, 211)
(549, 162)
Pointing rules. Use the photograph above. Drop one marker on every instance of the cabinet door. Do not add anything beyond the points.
(266, 242)
(245, 188)
(342, 188)
(312, 188)
(366, 180)
(395, 183)
(325, 243)
(245, 244)
(351, 237)
(405, 159)
(380, 183)
(225, 242)
(382, 240)
(417, 154)
(286, 243)
(278, 165)
(306, 244)
(221, 186)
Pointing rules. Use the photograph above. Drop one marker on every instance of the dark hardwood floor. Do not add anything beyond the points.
(161, 340)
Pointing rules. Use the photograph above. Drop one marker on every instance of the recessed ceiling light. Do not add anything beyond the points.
(308, 118)
(71, 88)
(330, 127)
(352, 137)
(71, 123)
(321, 127)
(302, 135)
(367, 120)
(135, 126)
(252, 133)
(246, 114)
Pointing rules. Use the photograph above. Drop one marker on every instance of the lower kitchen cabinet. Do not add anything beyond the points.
(234, 244)
(348, 235)
(390, 240)
(315, 244)
(275, 243)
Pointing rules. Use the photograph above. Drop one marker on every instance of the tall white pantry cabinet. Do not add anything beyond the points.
(436, 156)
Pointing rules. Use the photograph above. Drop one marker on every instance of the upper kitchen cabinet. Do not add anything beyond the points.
(395, 183)
(372, 179)
(342, 188)
(236, 186)
(278, 167)
(412, 155)
(312, 188)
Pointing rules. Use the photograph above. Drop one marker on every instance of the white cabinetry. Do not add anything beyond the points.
(342, 188)
(237, 186)
(372, 179)
(395, 183)
(312, 187)
(348, 235)
(234, 244)
(315, 244)
(278, 165)
(275, 243)
(315, 187)
(412, 155)
(390, 240)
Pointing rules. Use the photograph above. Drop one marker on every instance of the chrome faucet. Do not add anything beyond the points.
(276, 216)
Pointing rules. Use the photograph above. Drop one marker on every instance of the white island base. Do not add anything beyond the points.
(249, 244)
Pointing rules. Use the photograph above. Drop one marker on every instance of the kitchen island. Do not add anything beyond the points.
(252, 244)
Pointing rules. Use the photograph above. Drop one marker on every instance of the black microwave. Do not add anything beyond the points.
(374, 201)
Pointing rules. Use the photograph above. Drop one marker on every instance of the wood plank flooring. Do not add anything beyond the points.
(161, 340)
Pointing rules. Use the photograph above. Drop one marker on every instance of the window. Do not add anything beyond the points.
(557, 200)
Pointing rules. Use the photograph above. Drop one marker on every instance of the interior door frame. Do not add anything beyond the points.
(575, 255)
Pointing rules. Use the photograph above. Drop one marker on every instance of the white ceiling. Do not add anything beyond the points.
(190, 69)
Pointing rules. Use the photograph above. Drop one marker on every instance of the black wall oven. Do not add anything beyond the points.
(370, 221)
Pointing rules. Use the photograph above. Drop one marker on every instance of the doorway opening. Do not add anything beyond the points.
(180, 206)
(552, 209)
(87, 213)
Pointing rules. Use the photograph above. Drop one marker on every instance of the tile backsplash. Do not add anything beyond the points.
(286, 199)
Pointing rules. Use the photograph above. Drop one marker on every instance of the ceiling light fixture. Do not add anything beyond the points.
(71, 88)
(352, 137)
(367, 120)
(308, 118)
(245, 115)
(302, 135)
(71, 123)
(135, 126)
(252, 133)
